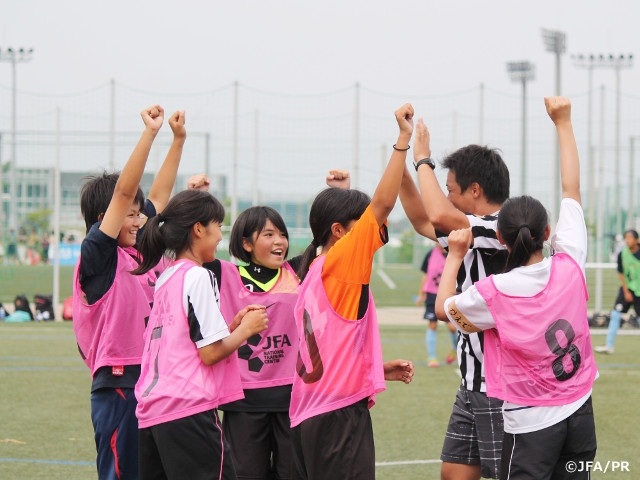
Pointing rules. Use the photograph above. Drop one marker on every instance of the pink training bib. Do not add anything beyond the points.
(267, 359)
(434, 271)
(340, 360)
(174, 382)
(540, 352)
(110, 331)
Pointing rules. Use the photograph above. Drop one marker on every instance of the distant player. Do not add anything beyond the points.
(432, 267)
(629, 293)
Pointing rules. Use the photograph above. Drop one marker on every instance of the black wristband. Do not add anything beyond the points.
(428, 161)
(401, 149)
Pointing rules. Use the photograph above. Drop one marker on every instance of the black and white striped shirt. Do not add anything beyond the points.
(487, 256)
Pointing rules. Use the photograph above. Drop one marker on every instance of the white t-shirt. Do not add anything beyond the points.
(570, 237)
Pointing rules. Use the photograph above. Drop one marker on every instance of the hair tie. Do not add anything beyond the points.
(524, 225)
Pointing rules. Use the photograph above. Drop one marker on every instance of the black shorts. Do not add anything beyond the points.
(260, 444)
(623, 306)
(430, 307)
(475, 432)
(553, 452)
(335, 445)
(192, 447)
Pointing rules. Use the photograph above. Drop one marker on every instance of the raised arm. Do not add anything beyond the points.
(386, 194)
(198, 182)
(413, 207)
(559, 109)
(129, 179)
(339, 179)
(165, 179)
(442, 214)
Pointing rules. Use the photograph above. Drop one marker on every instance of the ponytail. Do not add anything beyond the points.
(151, 245)
(305, 262)
(522, 222)
(169, 233)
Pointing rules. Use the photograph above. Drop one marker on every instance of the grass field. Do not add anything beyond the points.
(46, 433)
(38, 279)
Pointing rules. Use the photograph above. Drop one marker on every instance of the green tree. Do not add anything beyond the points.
(40, 219)
(405, 251)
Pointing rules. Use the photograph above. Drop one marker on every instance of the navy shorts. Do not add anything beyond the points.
(115, 426)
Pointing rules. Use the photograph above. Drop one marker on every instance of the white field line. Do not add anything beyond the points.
(386, 279)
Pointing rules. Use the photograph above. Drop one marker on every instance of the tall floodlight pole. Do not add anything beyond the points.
(56, 213)
(355, 175)
(234, 171)
(618, 63)
(631, 214)
(589, 62)
(112, 125)
(2, 217)
(600, 226)
(555, 42)
(481, 115)
(14, 56)
(522, 72)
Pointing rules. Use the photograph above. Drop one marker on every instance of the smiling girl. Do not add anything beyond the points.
(257, 426)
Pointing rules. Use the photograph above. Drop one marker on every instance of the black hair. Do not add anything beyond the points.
(522, 222)
(96, 194)
(170, 231)
(330, 206)
(483, 165)
(250, 221)
(633, 233)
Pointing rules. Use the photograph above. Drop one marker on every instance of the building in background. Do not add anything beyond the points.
(35, 193)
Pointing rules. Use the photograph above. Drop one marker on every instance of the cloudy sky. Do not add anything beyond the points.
(407, 50)
(297, 46)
